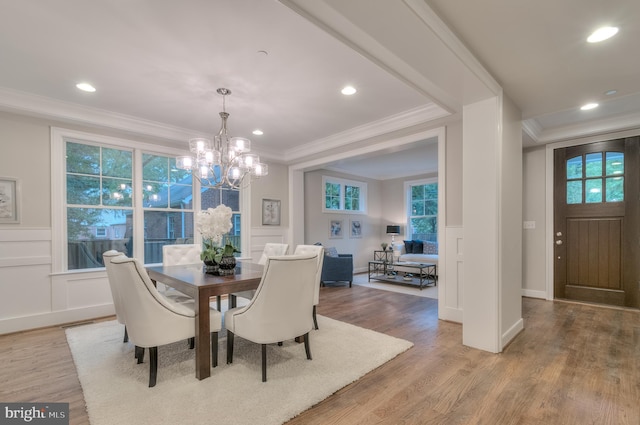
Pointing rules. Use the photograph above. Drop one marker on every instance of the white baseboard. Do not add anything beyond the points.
(17, 324)
(534, 294)
(512, 332)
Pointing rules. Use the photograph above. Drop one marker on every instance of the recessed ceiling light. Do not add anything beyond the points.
(86, 87)
(258, 132)
(589, 106)
(610, 92)
(348, 90)
(602, 34)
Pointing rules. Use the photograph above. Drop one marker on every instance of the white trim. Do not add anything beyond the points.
(511, 333)
(17, 324)
(386, 125)
(531, 293)
(344, 182)
(44, 107)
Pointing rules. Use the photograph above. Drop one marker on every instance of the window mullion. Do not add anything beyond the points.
(138, 206)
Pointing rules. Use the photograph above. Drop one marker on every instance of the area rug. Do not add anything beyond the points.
(430, 291)
(116, 388)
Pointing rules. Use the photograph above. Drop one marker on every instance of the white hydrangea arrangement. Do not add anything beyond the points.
(213, 224)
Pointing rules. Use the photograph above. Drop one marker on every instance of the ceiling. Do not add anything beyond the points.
(156, 66)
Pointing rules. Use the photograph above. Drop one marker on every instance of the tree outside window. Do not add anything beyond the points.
(423, 211)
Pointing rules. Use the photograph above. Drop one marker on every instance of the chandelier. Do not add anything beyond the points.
(227, 162)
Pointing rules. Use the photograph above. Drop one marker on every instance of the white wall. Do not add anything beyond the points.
(316, 222)
(533, 240)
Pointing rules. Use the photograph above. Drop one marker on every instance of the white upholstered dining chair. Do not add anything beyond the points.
(117, 303)
(270, 250)
(279, 311)
(153, 320)
(183, 254)
(319, 251)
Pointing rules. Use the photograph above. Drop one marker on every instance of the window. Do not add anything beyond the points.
(341, 195)
(167, 196)
(127, 196)
(422, 210)
(98, 185)
(595, 178)
(212, 197)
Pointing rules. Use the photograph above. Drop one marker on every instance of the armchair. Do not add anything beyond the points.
(337, 267)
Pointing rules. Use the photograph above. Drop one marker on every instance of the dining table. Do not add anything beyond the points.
(193, 281)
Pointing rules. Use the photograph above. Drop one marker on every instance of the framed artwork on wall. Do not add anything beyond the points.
(355, 229)
(271, 212)
(9, 202)
(335, 229)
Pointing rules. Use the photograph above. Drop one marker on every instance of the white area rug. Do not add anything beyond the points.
(430, 291)
(116, 388)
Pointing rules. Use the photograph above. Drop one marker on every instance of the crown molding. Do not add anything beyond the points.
(532, 128)
(593, 128)
(401, 121)
(44, 107)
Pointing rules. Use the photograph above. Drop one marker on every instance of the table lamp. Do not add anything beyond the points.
(393, 231)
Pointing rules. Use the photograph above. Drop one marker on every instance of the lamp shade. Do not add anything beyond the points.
(393, 230)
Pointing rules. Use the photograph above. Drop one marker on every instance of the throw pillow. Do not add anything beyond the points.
(418, 247)
(331, 251)
(431, 248)
(408, 247)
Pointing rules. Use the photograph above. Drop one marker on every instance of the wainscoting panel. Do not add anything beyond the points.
(450, 295)
(31, 297)
(260, 236)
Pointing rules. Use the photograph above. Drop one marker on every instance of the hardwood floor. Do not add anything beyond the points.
(573, 364)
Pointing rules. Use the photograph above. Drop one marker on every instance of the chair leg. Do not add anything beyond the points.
(315, 319)
(192, 342)
(219, 303)
(264, 362)
(307, 348)
(214, 348)
(350, 282)
(229, 347)
(139, 353)
(232, 301)
(126, 335)
(153, 366)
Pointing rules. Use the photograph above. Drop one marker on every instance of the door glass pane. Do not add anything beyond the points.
(594, 164)
(615, 163)
(574, 168)
(574, 192)
(615, 189)
(593, 188)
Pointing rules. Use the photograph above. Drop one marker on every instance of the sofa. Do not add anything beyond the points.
(416, 251)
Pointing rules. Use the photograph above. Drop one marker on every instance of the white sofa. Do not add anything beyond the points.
(429, 254)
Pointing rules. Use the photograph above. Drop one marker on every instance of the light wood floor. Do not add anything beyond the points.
(573, 364)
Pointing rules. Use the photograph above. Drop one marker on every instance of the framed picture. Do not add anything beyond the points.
(335, 229)
(356, 229)
(9, 202)
(271, 212)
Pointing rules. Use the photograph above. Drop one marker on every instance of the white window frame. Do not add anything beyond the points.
(407, 202)
(58, 191)
(343, 183)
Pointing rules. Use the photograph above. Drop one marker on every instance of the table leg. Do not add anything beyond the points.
(203, 338)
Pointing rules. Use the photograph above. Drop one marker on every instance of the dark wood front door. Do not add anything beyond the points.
(596, 232)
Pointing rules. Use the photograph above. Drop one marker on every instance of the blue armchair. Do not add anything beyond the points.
(337, 267)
